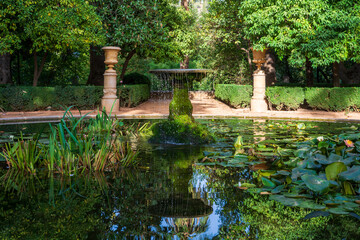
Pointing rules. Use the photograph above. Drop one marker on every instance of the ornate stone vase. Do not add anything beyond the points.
(259, 58)
(110, 102)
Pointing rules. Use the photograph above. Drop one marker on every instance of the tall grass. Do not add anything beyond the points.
(75, 146)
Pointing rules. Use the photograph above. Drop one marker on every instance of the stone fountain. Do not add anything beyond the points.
(181, 127)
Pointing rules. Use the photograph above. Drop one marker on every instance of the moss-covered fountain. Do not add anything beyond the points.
(181, 127)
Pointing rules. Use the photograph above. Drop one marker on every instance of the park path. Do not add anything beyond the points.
(203, 108)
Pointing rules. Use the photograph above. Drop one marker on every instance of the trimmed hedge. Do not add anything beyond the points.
(234, 95)
(289, 98)
(21, 98)
(133, 95)
(333, 99)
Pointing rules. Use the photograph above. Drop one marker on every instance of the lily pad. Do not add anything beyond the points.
(268, 183)
(332, 171)
(317, 214)
(352, 174)
(315, 183)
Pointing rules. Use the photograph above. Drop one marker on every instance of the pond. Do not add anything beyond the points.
(176, 192)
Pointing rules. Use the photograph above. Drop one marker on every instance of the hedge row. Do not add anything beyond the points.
(234, 95)
(292, 98)
(20, 98)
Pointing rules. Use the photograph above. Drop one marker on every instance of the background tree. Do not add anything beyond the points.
(138, 27)
(44, 28)
(304, 31)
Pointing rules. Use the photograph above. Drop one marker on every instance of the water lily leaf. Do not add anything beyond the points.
(335, 158)
(315, 183)
(267, 182)
(206, 164)
(267, 173)
(284, 173)
(352, 174)
(348, 189)
(278, 189)
(319, 158)
(239, 142)
(354, 215)
(297, 202)
(298, 172)
(333, 170)
(247, 185)
(349, 136)
(317, 214)
(338, 211)
(297, 195)
(301, 153)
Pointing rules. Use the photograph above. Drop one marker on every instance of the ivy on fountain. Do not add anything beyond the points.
(181, 127)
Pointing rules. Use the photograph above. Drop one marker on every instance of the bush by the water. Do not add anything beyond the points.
(26, 98)
(181, 130)
(234, 95)
(289, 98)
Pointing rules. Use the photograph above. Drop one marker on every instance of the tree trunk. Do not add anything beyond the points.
(126, 63)
(97, 67)
(185, 64)
(38, 69)
(185, 4)
(287, 76)
(5, 69)
(336, 76)
(270, 69)
(309, 74)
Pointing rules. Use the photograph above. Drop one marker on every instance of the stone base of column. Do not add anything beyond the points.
(258, 105)
(110, 105)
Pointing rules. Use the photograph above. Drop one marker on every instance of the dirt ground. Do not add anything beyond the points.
(203, 108)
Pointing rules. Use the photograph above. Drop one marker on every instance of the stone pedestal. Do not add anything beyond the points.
(110, 102)
(258, 103)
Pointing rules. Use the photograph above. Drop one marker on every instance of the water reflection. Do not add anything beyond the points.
(168, 197)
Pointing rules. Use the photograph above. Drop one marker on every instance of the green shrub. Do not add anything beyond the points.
(136, 78)
(333, 99)
(234, 95)
(285, 97)
(133, 95)
(83, 97)
(26, 98)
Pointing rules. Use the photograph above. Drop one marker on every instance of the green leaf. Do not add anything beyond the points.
(316, 183)
(268, 183)
(317, 214)
(332, 171)
(352, 174)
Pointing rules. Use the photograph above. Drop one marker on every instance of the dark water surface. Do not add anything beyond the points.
(167, 197)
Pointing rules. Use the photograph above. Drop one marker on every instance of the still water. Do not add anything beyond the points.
(169, 196)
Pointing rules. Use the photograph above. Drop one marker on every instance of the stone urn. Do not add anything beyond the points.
(259, 58)
(258, 102)
(110, 102)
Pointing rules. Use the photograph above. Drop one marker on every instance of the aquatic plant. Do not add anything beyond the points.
(23, 155)
(321, 173)
(75, 145)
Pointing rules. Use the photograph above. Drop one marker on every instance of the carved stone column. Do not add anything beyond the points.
(258, 102)
(110, 101)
